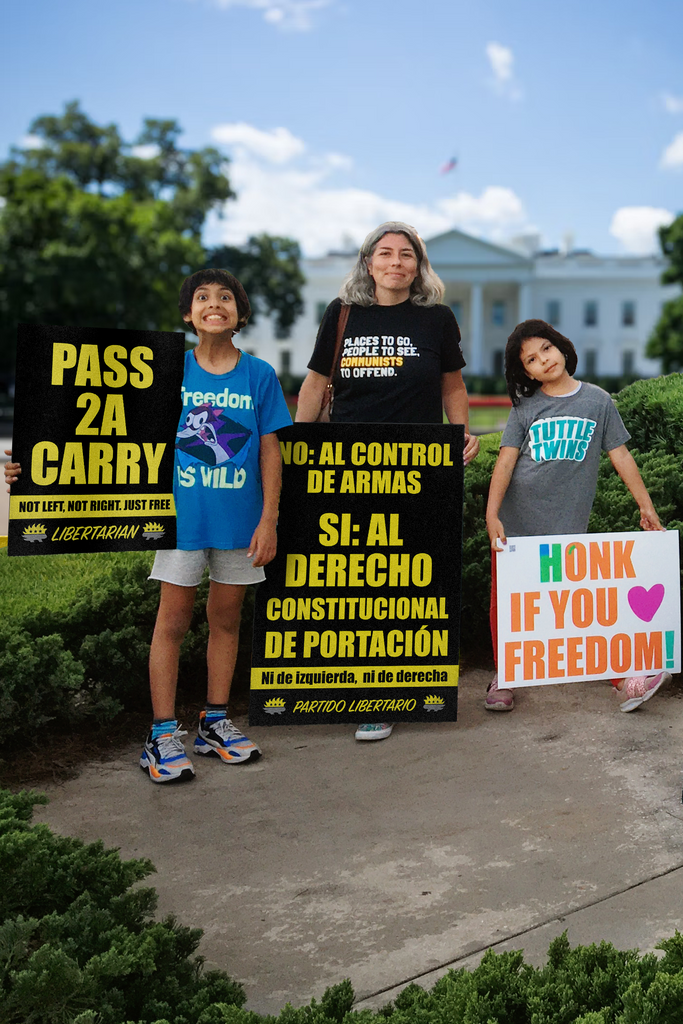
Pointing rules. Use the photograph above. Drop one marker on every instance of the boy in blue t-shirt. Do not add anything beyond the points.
(226, 488)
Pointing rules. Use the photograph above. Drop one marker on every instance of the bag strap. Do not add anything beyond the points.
(341, 327)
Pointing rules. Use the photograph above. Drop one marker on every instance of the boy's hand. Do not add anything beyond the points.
(12, 470)
(496, 532)
(263, 544)
(649, 520)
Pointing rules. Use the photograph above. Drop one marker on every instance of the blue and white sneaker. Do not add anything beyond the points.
(223, 739)
(164, 759)
(373, 731)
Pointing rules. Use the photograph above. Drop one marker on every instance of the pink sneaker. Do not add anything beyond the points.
(638, 689)
(498, 700)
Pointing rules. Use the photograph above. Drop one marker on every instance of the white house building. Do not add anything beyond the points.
(606, 305)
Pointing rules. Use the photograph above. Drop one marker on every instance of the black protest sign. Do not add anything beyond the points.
(359, 617)
(95, 417)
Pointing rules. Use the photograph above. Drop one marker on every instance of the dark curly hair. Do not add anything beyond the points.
(518, 383)
(212, 275)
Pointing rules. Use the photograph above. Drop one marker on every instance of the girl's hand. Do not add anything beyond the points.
(649, 520)
(471, 447)
(496, 532)
(12, 470)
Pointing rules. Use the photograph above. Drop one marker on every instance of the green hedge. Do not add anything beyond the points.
(84, 653)
(79, 945)
(78, 939)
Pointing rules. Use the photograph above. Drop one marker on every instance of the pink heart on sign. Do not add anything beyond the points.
(645, 603)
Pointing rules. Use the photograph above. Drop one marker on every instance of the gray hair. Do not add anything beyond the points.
(358, 287)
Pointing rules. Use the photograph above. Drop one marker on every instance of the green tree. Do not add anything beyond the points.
(98, 232)
(666, 341)
(268, 267)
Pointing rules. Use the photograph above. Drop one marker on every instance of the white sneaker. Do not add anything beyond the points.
(374, 731)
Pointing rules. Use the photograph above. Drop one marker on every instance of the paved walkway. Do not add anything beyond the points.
(386, 862)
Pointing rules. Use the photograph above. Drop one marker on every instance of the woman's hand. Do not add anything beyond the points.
(310, 397)
(471, 447)
(12, 470)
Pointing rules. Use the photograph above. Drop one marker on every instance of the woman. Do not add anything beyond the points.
(400, 361)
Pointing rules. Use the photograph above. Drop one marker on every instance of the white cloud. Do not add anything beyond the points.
(673, 104)
(495, 206)
(672, 157)
(306, 200)
(31, 142)
(146, 152)
(636, 227)
(501, 59)
(295, 15)
(278, 146)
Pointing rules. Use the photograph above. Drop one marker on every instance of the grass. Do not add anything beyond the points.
(29, 582)
(488, 419)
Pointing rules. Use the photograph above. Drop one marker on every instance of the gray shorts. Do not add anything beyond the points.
(186, 568)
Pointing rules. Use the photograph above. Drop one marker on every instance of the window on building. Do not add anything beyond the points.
(628, 313)
(285, 361)
(320, 308)
(590, 313)
(628, 362)
(498, 313)
(498, 357)
(590, 362)
(552, 312)
(457, 310)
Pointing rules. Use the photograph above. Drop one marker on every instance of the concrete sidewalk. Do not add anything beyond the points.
(388, 862)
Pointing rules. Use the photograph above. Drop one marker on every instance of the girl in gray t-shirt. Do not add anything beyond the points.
(547, 470)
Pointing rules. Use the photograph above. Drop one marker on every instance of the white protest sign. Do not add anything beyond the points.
(589, 606)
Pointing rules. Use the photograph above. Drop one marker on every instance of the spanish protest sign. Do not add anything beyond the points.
(95, 417)
(359, 615)
(592, 606)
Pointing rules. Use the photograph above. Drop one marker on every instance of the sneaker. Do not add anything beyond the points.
(498, 700)
(374, 731)
(638, 689)
(223, 739)
(164, 759)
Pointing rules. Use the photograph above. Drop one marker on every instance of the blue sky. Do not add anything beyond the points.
(338, 114)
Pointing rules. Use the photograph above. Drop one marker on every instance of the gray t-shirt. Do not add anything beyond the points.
(560, 439)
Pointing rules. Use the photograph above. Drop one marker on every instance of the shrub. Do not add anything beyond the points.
(78, 943)
(652, 411)
(83, 654)
(476, 553)
(86, 654)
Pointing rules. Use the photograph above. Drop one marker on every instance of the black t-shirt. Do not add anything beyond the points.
(391, 361)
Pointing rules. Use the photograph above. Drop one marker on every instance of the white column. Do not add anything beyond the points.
(524, 302)
(476, 330)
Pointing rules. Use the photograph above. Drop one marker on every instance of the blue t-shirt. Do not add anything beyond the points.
(217, 483)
